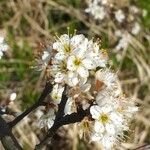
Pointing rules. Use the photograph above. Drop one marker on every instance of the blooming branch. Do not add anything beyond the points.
(80, 89)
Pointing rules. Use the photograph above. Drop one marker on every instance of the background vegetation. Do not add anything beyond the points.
(29, 24)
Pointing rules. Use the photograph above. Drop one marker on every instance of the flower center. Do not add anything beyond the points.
(67, 48)
(77, 62)
(64, 66)
(86, 125)
(104, 118)
(55, 97)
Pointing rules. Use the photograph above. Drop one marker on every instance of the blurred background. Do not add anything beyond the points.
(28, 26)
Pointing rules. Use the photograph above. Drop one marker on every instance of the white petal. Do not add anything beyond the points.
(116, 118)
(68, 106)
(85, 87)
(65, 39)
(107, 108)
(83, 72)
(98, 127)
(77, 39)
(60, 56)
(58, 46)
(59, 77)
(45, 55)
(110, 128)
(1, 39)
(89, 64)
(70, 63)
(96, 137)
(108, 142)
(72, 79)
(95, 111)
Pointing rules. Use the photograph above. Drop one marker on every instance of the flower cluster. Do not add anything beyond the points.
(3, 46)
(122, 18)
(82, 66)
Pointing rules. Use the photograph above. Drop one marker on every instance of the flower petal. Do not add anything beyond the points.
(83, 72)
(89, 64)
(95, 111)
(98, 127)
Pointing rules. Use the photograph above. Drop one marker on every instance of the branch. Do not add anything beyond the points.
(7, 138)
(46, 91)
(68, 119)
(61, 106)
(143, 147)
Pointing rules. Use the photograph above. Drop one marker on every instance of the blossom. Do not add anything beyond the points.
(107, 119)
(111, 114)
(124, 41)
(108, 125)
(107, 78)
(136, 29)
(66, 44)
(98, 11)
(56, 93)
(47, 119)
(119, 15)
(107, 141)
(45, 56)
(3, 46)
(74, 58)
(81, 65)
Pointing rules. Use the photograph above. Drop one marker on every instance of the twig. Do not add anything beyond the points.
(143, 147)
(7, 138)
(45, 92)
(68, 119)
(61, 106)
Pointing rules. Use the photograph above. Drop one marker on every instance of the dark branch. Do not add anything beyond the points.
(68, 119)
(45, 92)
(61, 106)
(7, 138)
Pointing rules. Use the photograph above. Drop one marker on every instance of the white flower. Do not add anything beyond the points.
(47, 119)
(108, 78)
(119, 15)
(75, 57)
(72, 79)
(134, 9)
(56, 93)
(59, 71)
(46, 56)
(38, 113)
(3, 46)
(13, 96)
(80, 64)
(66, 44)
(136, 29)
(97, 11)
(99, 56)
(107, 119)
(124, 42)
(109, 124)
(106, 140)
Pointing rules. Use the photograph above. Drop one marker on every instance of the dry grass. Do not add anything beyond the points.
(35, 21)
